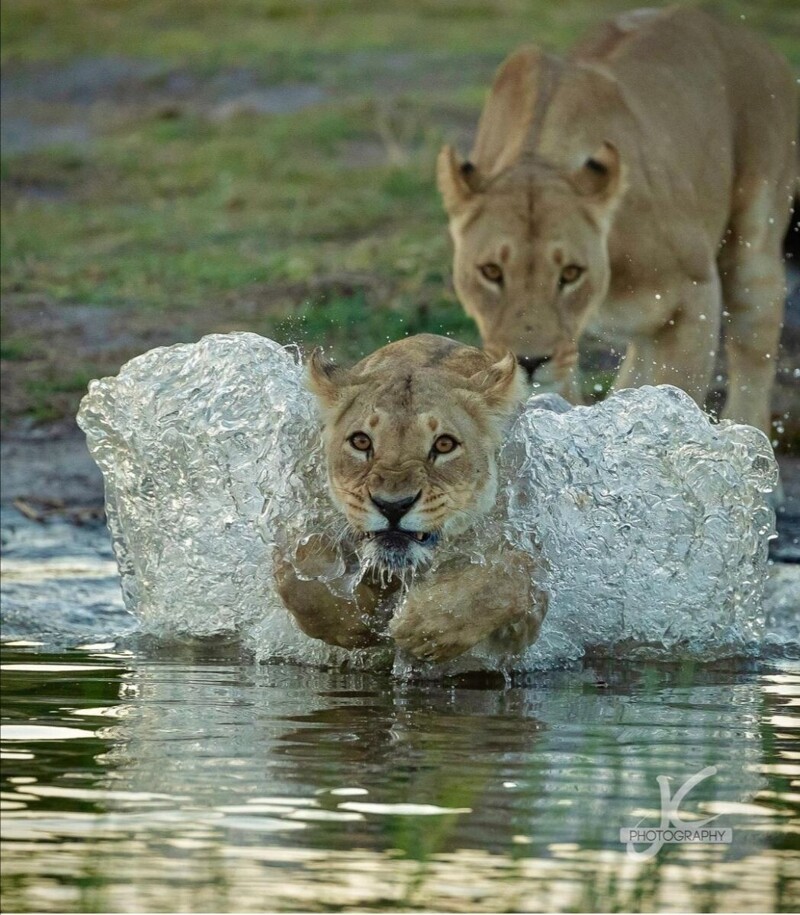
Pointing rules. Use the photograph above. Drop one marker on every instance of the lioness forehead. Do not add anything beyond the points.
(410, 424)
(398, 393)
(531, 206)
(427, 420)
(412, 404)
(401, 402)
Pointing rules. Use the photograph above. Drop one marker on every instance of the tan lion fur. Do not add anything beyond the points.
(660, 157)
(404, 397)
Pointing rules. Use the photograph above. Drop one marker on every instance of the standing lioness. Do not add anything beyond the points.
(638, 189)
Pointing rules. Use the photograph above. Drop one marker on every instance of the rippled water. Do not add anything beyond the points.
(172, 780)
(185, 777)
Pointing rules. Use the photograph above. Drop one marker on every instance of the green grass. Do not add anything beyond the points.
(261, 32)
(321, 225)
(176, 214)
(15, 350)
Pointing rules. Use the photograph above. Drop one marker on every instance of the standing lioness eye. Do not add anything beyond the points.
(492, 272)
(570, 273)
(360, 441)
(445, 444)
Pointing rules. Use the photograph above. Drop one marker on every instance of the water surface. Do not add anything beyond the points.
(140, 776)
(169, 780)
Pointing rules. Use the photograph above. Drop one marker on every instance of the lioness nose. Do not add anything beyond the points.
(531, 363)
(394, 511)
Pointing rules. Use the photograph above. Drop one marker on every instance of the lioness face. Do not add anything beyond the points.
(529, 269)
(531, 255)
(411, 449)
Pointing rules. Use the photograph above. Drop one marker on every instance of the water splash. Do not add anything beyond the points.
(653, 522)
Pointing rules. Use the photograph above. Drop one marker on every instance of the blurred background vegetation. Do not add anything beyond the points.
(177, 167)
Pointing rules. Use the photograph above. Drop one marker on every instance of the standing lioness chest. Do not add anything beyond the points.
(638, 190)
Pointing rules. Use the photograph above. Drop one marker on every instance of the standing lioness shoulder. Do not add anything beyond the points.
(639, 190)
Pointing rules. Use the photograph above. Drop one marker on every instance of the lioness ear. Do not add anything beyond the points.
(456, 181)
(502, 384)
(602, 175)
(323, 378)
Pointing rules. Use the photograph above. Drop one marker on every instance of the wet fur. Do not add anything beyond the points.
(404, 396)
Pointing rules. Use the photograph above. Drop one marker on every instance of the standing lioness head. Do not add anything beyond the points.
(531, 237)
(410, 439)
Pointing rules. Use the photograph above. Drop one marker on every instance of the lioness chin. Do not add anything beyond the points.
(410, 437)
(637, 190)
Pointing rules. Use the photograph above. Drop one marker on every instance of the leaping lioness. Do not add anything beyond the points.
(638, 189)
(410, 436)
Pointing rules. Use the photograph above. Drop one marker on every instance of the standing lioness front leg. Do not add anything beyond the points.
(463, 604)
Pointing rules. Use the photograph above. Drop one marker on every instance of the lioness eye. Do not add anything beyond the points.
(570, 273)
(492, 272)
(360, 441)
(444, 444)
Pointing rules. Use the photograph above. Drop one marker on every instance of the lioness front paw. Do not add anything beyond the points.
(435, 634)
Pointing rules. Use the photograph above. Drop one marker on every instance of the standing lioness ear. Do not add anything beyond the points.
(456, 180)
(601, 177)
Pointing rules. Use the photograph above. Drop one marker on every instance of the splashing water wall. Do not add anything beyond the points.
(653, 523)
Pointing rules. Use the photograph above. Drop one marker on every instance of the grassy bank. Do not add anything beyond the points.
(175, 168)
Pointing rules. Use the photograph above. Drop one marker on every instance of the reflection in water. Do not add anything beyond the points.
(215, 784)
